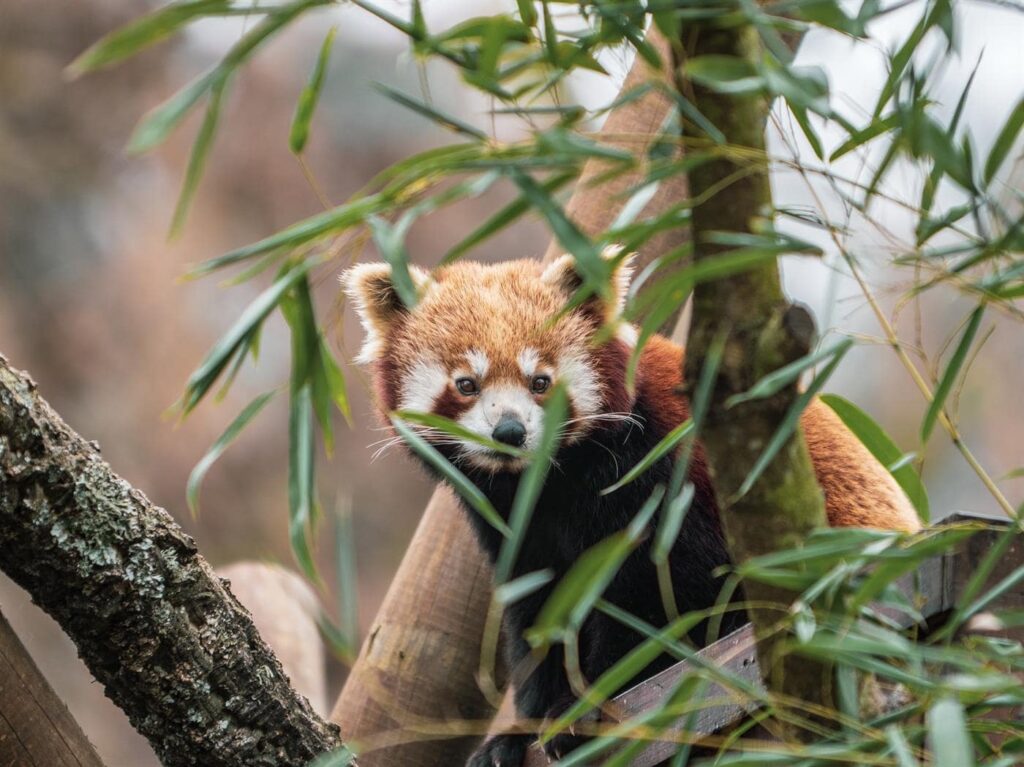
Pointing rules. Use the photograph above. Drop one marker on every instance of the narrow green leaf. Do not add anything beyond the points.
(346, 573)
(725, 74)
(436, 116)
(455, 429)
(952, 371)
(224, 350)
(329, 222)
(197, 160)
(143, 32)
(309, 97)
(576, 594)
(195, 479)
(899, 747)
(527, 12)
(777, 379)
(390, 241)
(788, 425)
(459, 481)
(523, 586)
(1004, 141)
(532, 482)
(947, 734)
(588, 259)
(157, 124)
(664, 446)
(301, 478)
(881, 446)
(875, 128)
(507, 215)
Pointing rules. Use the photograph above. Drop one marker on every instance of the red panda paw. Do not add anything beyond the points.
(572, 738)
(501, 751)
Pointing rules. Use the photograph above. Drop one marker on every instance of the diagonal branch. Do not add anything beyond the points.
(154, 624)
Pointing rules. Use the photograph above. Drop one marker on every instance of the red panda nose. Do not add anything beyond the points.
(509, 431)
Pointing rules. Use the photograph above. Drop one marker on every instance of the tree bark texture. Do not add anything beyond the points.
(763, 332)
(402, 674)
(36, 728)
(153, 623)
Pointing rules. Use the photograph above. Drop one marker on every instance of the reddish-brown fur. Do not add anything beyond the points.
(859, 492)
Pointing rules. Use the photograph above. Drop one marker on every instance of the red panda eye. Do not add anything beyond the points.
(467, 386)
(540, 384)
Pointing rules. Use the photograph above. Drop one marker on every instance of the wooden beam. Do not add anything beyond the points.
(938, 584)
(36, 728)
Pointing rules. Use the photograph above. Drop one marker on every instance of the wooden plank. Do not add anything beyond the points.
(935, 588)
(36, 728)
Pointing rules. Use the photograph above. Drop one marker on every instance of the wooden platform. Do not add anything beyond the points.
(936, 586)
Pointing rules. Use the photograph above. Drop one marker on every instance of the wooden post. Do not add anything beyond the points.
(36, 728)
(422, 652)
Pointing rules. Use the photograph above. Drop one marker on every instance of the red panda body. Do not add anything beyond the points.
(482, 348)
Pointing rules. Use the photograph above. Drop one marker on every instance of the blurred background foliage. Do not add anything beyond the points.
(92, 304)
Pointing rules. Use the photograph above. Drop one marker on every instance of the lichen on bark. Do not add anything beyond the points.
(154, 624)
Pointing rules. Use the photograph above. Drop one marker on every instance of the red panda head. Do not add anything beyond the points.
(485, 344)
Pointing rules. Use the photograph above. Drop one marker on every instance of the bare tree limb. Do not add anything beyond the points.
(163, 634)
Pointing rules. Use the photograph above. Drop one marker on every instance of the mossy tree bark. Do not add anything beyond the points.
(151, 620)
(763, 332)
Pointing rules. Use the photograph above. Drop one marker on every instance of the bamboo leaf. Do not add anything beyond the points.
(459, 481)
(197, 160)
(952, 371)
(225, 349)
(157, 124)
(788, 425)
(664, 446)
(195, 479)
(346, 578)
(777, 379)
(143, 32)
(301, 478)
(947, 735)
(1004, 141)
(532, 482)
(390, 241)
(507, 215)
(518, 588)
(329, 222)
(881, 446)
(309, 97)
(455, 429)
(578, 591)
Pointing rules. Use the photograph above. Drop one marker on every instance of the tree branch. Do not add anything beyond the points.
(154, 624)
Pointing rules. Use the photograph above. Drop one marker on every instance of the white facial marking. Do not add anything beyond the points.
(582, 383)
(423, 384)
(628, 334)
(478, 363)
(495, 402)
(528, 360)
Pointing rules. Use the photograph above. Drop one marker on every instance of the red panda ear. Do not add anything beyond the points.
(562, 274)
(372, 291)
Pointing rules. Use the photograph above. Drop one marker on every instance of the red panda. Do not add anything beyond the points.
(484, 346)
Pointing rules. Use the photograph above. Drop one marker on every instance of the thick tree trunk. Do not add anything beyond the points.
(763, 333)
(151, 620)
(36, 728)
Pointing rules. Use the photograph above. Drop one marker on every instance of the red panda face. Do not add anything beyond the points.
(486, 345)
